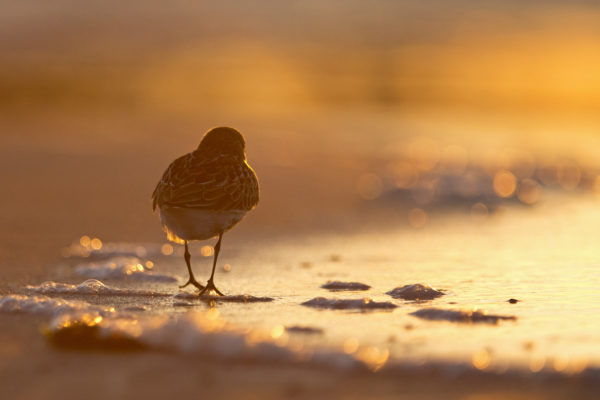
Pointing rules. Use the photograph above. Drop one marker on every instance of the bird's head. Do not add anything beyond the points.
(223, 140)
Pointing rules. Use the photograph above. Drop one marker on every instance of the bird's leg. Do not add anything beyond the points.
(210, 286)
(191, 279)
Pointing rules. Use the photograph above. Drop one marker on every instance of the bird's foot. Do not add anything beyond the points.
(210, 287)
(192, 281)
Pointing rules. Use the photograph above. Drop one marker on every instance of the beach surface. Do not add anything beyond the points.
(429, 209)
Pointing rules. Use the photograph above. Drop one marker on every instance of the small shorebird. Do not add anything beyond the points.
(205, 193)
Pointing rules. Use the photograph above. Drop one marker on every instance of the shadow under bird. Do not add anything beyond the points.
(205, 193)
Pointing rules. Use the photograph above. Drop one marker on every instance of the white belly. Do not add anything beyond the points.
(191, 224)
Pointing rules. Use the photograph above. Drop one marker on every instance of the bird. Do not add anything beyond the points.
(205, 193)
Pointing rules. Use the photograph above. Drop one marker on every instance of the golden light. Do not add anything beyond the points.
(96, 244)
(85, 241)
(537, 364)
(481, 359)
(417, 218)
(212, 314)
(227, 268)
(529, 191)
(350, 345)
(166, 249)
(560, 363)
(277, 331)
(577, 365)
(207, 251)
(374, 357)
(149, 264)
(505, 183)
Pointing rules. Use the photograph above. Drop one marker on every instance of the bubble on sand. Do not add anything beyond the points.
(91, 286)
(349, 304)
(18, 303)
(415, 291)
(463, 316)
(339, 285)
(131, 268)
(240, 298)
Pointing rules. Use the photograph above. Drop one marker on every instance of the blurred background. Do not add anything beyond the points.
(357, 115)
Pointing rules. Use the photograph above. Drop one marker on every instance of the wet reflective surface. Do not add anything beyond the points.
(536, 269)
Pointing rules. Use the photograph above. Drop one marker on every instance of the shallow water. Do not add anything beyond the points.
(545, 257)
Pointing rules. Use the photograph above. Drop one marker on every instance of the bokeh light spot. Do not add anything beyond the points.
(481, 359)
(96, 244)
(207, 251)
(85, 241)
(166, 249)
(529, 191)
(505, 183)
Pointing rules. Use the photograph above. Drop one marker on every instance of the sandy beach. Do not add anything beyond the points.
(429, 184)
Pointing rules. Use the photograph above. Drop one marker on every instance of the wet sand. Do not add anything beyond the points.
(47, 214)
(31, 369)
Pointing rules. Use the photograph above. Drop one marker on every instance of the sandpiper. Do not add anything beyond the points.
(205, 193)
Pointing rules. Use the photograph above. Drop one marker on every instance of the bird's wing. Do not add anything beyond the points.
(218, 184)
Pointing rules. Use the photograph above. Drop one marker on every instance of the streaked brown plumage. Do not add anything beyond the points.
(206, 192)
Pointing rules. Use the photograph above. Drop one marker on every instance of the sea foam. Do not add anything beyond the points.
(91, 287)
(349, 304)
(130, 268)
(18, 303)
